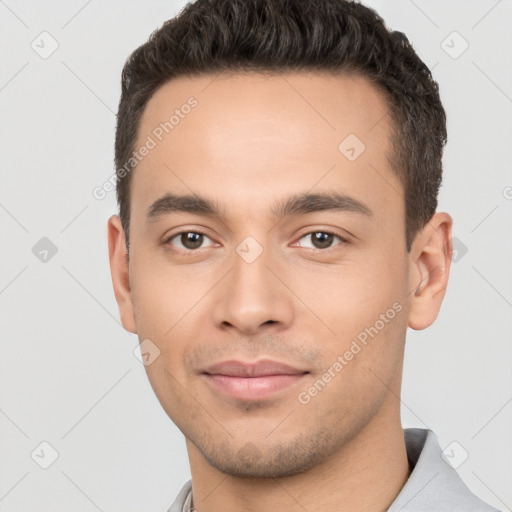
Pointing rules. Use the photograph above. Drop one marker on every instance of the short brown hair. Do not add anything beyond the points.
(210, 36)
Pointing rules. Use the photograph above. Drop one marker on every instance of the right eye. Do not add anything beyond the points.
(188, 241)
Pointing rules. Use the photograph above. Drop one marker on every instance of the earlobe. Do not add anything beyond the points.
(119, 270)
(431, 255)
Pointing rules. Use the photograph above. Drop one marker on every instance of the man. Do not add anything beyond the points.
(278, 165)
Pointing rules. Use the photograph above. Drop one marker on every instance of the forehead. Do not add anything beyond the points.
(326, 102)
(251, 135)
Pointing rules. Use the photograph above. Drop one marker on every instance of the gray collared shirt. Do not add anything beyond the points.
(433, 486)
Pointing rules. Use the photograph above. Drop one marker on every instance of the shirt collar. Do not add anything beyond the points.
(433, 484)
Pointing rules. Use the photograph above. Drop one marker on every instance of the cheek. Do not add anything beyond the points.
(360, 364)
(363, 302)
(162, 295)
(353, 295)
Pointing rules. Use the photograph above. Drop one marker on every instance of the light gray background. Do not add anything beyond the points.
(68, 373)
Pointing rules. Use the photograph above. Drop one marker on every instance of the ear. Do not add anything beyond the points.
(430, 260)
(119, 269)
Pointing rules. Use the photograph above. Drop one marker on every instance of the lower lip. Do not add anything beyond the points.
(252, 388)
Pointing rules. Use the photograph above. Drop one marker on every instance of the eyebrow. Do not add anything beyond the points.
(294, 205)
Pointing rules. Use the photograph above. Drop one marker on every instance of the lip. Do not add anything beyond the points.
(261, 368)
(252, 381)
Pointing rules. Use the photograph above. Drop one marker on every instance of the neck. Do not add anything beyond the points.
(365, 474)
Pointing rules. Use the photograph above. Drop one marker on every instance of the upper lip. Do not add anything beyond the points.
(260, 368)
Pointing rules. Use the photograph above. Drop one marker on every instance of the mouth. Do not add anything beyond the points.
(252, 381)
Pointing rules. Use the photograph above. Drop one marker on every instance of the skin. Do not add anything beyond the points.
(253, 140)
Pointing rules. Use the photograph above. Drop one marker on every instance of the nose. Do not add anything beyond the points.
(252, 296)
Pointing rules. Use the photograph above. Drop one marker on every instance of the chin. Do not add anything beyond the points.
(251, 461)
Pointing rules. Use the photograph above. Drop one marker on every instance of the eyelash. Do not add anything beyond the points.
(328, 249)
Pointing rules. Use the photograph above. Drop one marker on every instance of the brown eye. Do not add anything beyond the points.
(191, 240)
(187, 240)
(321, 239)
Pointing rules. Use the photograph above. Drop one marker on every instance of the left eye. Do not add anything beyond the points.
(321, 239)
(189, 240)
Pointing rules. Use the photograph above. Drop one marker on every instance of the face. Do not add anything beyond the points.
(290, 251)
